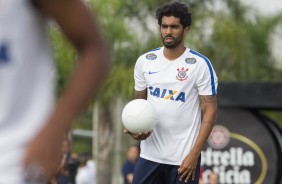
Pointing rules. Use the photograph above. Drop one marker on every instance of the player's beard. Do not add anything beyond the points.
(176, 41)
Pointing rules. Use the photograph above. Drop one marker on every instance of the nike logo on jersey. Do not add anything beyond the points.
(152, 72)
(167, 94)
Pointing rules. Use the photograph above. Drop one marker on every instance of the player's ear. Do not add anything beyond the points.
(187, 29)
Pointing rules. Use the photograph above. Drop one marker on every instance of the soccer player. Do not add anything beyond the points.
(181, 84)
(32, 127)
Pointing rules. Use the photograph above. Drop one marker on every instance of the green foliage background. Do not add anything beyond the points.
(236, 39)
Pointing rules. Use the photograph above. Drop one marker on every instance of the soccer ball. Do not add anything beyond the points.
(139, 116)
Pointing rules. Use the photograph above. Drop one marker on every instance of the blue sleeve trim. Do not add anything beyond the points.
(210, 69)
(155, 49)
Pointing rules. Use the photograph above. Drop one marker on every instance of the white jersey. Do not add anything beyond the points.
(173, 89)
(26, 82)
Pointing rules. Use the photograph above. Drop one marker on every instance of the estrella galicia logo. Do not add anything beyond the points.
(190, 60)
(167, 94)
(151, 56)
(235, 157)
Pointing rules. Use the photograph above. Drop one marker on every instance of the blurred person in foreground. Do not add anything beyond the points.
(128, 166)
(181, 84)
(32, 127)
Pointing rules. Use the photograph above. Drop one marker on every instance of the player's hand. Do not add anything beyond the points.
(138, 136)
(43, 156)
(188, 166)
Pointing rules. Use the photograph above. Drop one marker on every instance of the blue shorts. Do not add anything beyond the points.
(148, 172)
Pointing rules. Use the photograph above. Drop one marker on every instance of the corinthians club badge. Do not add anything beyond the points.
(182, 74)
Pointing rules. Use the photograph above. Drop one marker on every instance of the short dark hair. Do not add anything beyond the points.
(175, 9)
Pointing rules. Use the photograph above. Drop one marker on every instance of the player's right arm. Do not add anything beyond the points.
(141, 94)
(81, 29)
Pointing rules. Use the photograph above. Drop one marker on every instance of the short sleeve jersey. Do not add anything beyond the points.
(173, 88)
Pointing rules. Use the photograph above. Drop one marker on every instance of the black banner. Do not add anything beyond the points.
(242, 149)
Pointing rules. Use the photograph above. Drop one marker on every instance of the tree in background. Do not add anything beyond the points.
(240, 44)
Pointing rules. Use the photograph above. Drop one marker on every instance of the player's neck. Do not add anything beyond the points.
(172, 54)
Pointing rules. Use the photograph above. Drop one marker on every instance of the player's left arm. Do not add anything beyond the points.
(209, 109)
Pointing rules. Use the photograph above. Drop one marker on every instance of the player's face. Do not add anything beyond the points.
(172, 32)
